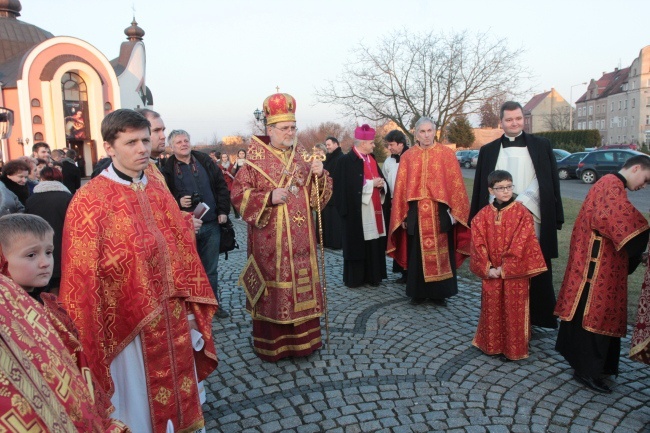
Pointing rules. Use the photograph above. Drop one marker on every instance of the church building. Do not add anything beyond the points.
(59, 88)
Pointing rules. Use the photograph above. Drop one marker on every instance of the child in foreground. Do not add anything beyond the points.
(505, 254)
(42, 364)
(27, 243)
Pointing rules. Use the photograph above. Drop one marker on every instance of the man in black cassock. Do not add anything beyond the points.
(531, 161)
(360, 190)
(332, 226)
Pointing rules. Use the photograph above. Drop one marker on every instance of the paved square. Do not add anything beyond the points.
(392, 366)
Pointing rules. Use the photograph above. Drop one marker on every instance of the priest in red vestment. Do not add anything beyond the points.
(607, 242)
(276, 192)
(505, 254)
(134, 286)
(430, 204)
(640, 350)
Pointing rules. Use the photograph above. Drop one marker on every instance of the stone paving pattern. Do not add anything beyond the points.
(392, 366)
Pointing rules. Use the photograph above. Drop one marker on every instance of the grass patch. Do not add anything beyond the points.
(571, 209)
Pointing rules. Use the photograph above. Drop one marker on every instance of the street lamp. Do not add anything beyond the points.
(571, 104)
(259, 114)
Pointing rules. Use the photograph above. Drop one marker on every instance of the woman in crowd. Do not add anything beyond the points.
(14, 176)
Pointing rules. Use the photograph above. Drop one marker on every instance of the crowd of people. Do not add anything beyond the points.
(116, 283)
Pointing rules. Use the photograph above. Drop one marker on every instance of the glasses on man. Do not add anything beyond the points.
(286, 129)
(504, 188)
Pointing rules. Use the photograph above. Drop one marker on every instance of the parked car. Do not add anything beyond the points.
(601, 162)
(560, 153)
(631, 146)
(464, 157)
(567, 166)
(474, 162)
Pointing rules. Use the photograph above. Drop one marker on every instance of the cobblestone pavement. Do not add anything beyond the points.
(392, 366)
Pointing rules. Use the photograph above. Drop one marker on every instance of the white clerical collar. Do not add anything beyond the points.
(515, 137)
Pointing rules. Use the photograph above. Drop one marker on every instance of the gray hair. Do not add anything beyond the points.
(321, 146)
(175, 133)
(422, 120)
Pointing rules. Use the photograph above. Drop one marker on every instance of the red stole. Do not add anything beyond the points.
(369, 174)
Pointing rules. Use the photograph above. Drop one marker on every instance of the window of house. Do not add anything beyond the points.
(633, 102)
(591, 124)
(625, 104)
(619, 105)
(611, 106)
(591, 110)
(631, 120)
(625, 121)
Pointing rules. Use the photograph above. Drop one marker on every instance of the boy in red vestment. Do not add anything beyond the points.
(607, 242)
(275, 193)
(45, 382)
(133, 284)
(505, 254)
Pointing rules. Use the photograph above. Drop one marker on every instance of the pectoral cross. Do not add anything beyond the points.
(277, 89)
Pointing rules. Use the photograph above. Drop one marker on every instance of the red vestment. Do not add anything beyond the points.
(640, 350)
(44, 382)
(129, 268)
(430, 176)
(505, 238)
(281, 278)
(606, 222)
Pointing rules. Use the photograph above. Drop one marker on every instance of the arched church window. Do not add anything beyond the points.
(38, 136)
(36, 102)
(37, 120)
(75, 106)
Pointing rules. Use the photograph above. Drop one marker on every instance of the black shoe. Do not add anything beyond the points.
(596, 384)
(221, 313)
(401, 280)
(417, 301)
(440, 302)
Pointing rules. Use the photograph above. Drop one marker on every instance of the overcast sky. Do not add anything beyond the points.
(211, 63)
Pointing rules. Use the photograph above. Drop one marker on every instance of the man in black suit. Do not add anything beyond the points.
(531, 161)
(332, 229)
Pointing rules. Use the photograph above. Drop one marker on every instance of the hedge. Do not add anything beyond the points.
(573, 141)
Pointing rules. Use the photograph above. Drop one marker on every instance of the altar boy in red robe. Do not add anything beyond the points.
(607, 242)
(505, 254)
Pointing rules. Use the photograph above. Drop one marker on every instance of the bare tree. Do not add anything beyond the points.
(558, 120)
(489, 112)
(406, 76)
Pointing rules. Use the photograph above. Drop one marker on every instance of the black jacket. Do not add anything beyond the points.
(217, 182)
(541, 154)
(331, 163)
(50, 200)
(71, 175)
(348, 186)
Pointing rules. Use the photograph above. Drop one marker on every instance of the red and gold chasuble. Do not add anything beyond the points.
(430, 176)
(44, 385)
(505, 238)
(608, 219)
(640, 350)
(130, 267)
(281, 278)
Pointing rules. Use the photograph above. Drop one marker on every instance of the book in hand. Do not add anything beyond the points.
(200, 210)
